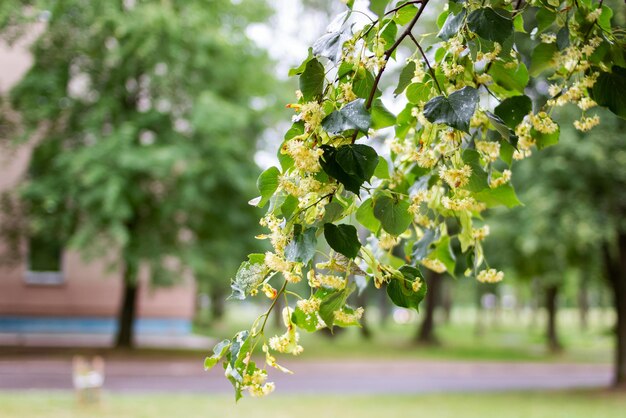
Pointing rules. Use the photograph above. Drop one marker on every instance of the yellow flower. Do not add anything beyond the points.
(342, 316)
(490, 276)
(326, 280)
(312, 114)
(499, 181)
(387, 241)
(490, 149)
(456, 177)
(543, 123)
(586, 123)
(434, 265)
(304, 157)
(309, 306)
(479, 234)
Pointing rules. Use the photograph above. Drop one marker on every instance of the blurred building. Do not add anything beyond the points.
(55, 291)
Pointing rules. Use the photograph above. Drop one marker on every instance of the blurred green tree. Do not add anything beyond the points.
(147, 114)
(574, 219)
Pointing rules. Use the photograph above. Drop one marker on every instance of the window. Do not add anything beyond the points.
(44, 261)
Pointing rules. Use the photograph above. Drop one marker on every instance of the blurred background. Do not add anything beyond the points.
(132, 133)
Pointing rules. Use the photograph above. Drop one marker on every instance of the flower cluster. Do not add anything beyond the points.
(490, 276)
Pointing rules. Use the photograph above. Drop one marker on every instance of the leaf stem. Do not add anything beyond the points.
(269, 310)
(430, 69)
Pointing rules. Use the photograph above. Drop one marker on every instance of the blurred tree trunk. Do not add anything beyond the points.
(278, 314)
(447, 300)
(479, 326)
(551, 295)
(126, 316)
(616, 274)
(426, 333)
(583, 302)
(361, 300)
(218, 307)
(383, 305)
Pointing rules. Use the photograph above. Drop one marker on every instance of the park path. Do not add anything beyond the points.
(332, 376)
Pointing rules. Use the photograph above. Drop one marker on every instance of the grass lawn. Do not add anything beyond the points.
(574, 404)
(509, 338)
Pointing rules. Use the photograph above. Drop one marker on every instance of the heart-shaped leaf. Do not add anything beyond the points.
(452, 25)
(490, 24)
(609, 91)
(343, 239)
(400, 290)
(351, 165)
(393, 214)
(302, 247)
(351, 116)
(456, 110)
(312, 80)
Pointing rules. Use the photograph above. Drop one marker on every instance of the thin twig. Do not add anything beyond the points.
(430, 69)
(403, 6)
(391, 50)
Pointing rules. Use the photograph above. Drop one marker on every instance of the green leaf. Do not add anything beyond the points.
(382, 169)
(333, 211)
(545, 17)
(452, 25)
(405, 77)
(351, 116)
(542, 58)
(393, 214)
(610, 91)
(455, 110)
(604, 21)
(443, 252)
(422, 247)
(300, 69)
(365, 216)
(312, 80)
(352, 323)
(218, 352)
(400, 290)
(304, 321)
(289, 206)
(343, 239)
(363, 84)
(378, 6)
(545, 140)
(405, 14)
(357, 160)
(502, 195)
(490, 24)
(516, 80)
(351, 165)
(249, 275)
(513, 109)
(388, 32)
(330, 44)
(562, 38)
(418, 93)
(302, 247)
(267, 183)
(478, 179)
(518, 23)
(381, 116)
(499, 125)
(331, 303)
